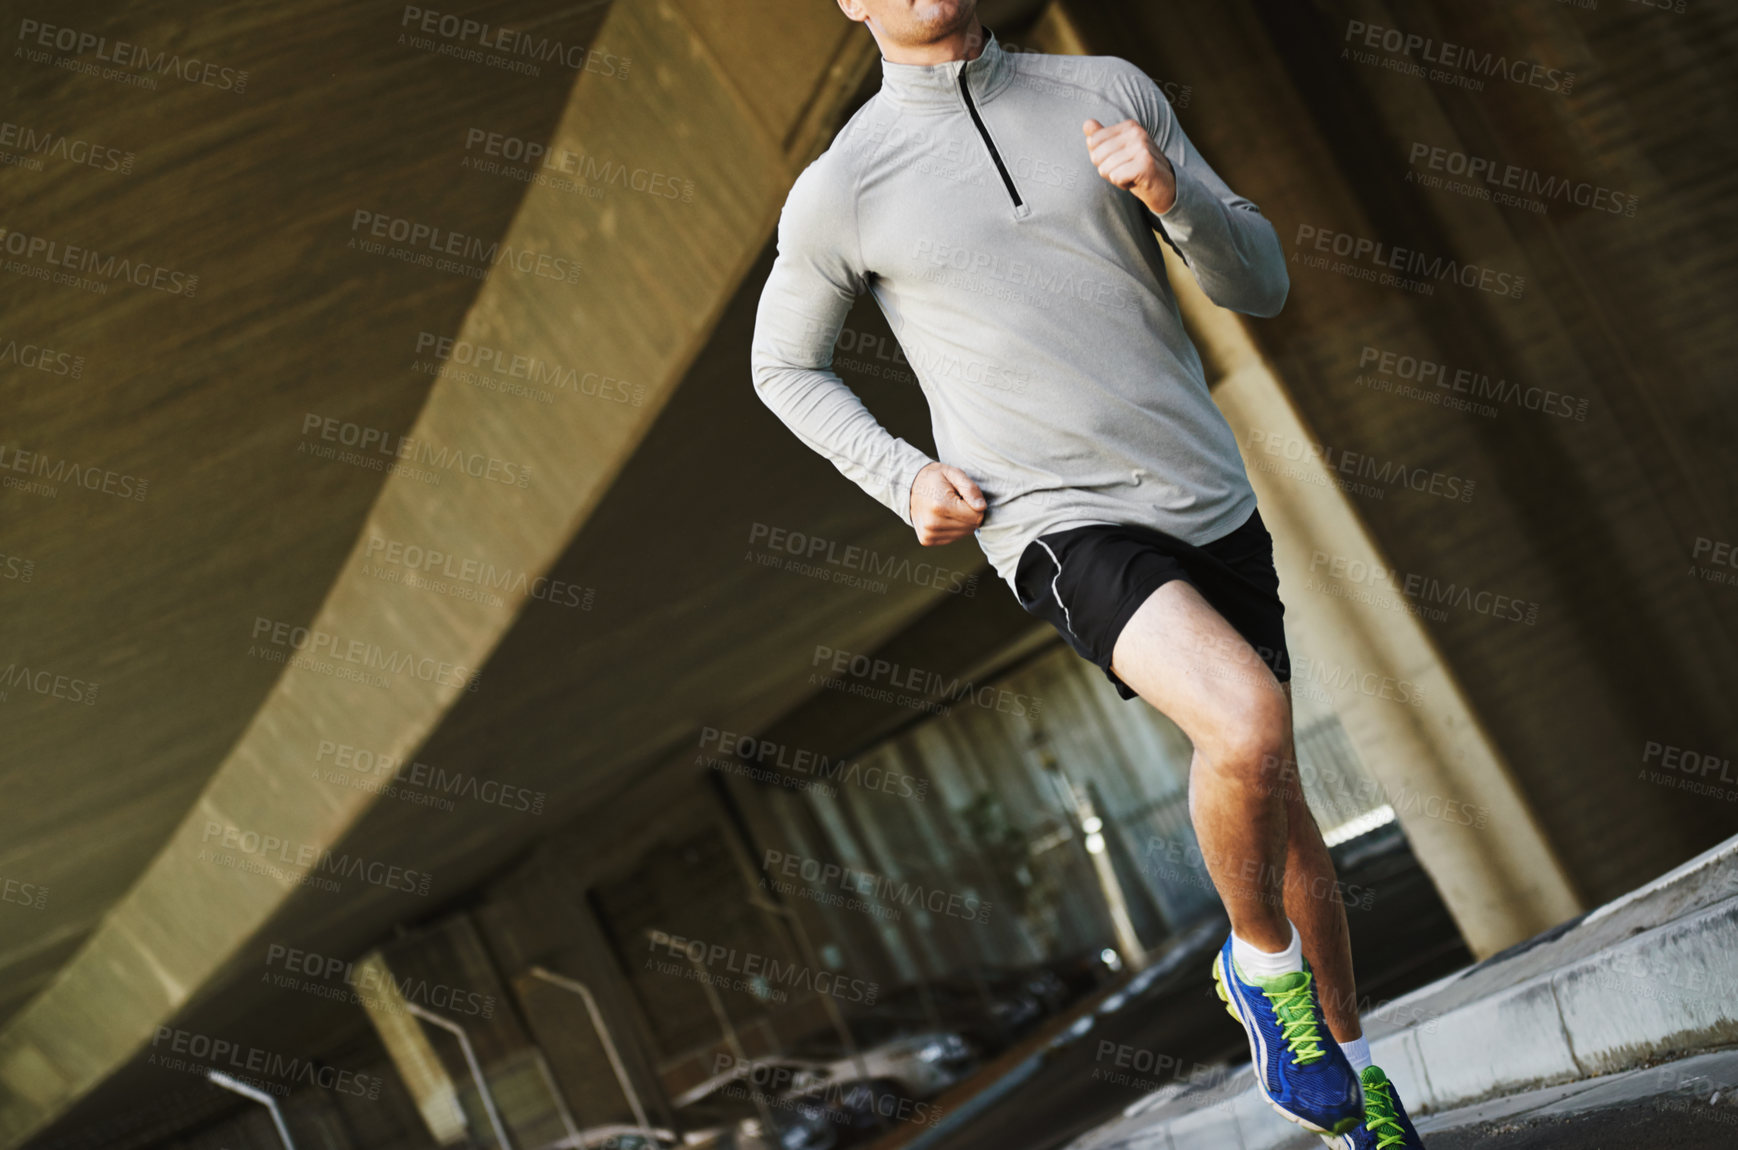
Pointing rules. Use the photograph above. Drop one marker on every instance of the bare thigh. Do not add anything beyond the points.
(1181, 656)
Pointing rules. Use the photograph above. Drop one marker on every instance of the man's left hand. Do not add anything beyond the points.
(1126, 156)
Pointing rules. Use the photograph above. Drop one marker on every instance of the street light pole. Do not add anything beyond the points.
(483, 1090)
(814, 960)
(731, 1039)
(1134, 954)
(574, 986)
(219, 1078)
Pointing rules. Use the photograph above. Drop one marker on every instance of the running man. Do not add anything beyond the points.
(1006, 210)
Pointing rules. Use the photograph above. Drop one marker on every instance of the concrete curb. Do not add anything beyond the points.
(1666, 988)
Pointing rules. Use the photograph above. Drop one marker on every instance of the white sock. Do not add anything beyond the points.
(1259, 964)
(1357, 1052)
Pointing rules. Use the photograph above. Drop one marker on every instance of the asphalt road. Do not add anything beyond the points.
(1651, 1124)
(1689, 1104)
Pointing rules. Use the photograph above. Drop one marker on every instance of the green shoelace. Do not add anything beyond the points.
(1297, 1016)
(1380, 1118)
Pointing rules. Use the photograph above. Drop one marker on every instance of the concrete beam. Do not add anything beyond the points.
(736, 102)
(1468, 823)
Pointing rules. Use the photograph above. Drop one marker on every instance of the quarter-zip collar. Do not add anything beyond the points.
(936, 87)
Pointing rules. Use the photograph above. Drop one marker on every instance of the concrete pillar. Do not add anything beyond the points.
(412, 1054)
(1468, 822)
(1469, 825)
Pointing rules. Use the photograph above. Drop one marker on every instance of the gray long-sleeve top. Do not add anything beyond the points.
(1028, 294)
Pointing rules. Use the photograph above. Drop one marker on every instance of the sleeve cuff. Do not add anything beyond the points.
(1181, 218)
(915, 461)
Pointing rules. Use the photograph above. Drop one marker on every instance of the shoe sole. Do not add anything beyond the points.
(1344, 1126)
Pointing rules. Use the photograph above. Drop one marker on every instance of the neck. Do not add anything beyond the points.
(964, 44)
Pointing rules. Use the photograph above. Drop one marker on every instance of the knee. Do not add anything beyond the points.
(1254, 747)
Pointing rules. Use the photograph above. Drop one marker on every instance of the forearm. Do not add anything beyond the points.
(828, 417)
(1233, 250)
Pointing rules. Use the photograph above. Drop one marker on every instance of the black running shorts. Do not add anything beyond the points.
(1087, 581)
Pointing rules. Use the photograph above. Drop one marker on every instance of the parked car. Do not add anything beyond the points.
(918, 1065)
(616, 1137)
(989, 1009)
(861, 1108)
(730, 1112)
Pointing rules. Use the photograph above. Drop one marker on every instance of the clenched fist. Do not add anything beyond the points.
(945, 505)
(1126, 156)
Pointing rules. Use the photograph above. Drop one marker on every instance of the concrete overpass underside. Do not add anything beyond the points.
(632, 501)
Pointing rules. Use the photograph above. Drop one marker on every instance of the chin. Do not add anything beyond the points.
(934, 19)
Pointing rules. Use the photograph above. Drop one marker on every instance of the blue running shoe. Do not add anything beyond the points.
(1302, 1073)
(1385, 1125)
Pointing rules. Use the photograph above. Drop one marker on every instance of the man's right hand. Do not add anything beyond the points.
(945, 505)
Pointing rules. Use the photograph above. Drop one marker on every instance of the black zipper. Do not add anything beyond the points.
(1007, 180)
